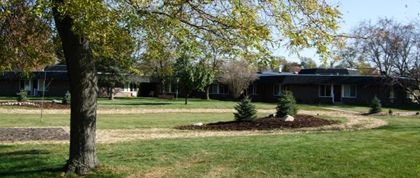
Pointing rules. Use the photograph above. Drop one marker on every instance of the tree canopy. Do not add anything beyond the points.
(22, 47)
(391, 47)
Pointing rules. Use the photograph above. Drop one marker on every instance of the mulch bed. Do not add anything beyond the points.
(29, 104)
(267, 123)
(33, 134)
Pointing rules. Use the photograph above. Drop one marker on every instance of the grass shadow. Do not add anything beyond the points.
(398, 128)
(27, 163)
(47, 171)
(24, 152)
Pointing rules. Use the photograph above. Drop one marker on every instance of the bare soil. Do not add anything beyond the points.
(37, 104)
(267, 123)
(33, 134)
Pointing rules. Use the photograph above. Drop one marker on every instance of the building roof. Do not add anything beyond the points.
(56, 68)
(322, 79)
(329, 71)
(320, 76)
(61, 68)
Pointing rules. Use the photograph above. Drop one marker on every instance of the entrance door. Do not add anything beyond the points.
(337, 93)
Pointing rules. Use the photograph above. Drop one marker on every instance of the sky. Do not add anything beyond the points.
(356, 11)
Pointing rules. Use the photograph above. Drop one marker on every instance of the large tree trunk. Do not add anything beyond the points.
(83, 89)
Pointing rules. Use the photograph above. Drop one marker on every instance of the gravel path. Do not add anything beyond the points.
(355, 121)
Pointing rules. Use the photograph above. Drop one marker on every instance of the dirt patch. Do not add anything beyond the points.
(38, 104)
(267, 123)
(32, 134)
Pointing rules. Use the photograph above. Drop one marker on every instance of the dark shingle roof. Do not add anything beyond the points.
(320, 71)
(302, 79)
(62, 68)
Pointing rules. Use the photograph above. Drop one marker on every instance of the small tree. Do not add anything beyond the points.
(67, 98)
(375, 106)
(245, 111)
(286, 105)
(22, 95)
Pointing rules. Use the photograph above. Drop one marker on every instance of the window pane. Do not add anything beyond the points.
(346, 91)
(41, 85)
(27, 85)
(349, 90)
(353, 91)
(277, 90)
(327, 90)
(222, 89)
(213, 88)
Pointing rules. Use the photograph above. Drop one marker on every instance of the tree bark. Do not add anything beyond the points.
(208, 92)
(83, 88)
(111, 93)
(186, 99)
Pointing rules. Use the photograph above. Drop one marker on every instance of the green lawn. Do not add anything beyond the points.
(156, 103)
(173, 104)
(115, 121)
(390, 151)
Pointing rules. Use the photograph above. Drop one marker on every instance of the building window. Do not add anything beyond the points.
(218, 89)
(277, 89)
(223, 89)
(133, 87)
(349, 91)
(391, 93)
(25, 85)
(324, 90)
(253, 90)
(41, 85)
(214, 89)
(126, 87)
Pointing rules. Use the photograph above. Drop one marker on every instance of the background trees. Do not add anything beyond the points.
(391, 47)
(238, 75)
(25, 38)
(307, 63)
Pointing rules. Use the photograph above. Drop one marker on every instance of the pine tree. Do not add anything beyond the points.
(286, 105)
(246, 111)
(375, 106)
(22, 95)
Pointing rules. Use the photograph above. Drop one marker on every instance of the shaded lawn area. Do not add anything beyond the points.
(390, 151)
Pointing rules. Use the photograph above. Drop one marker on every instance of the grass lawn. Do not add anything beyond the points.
(115, 121)
(390, 151)
(174, 104)
(156, 103)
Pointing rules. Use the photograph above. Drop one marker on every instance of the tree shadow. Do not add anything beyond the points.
(27, 163)
(399, 128)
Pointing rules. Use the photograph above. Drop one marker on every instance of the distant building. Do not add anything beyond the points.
(314, 86)
(308, 86)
